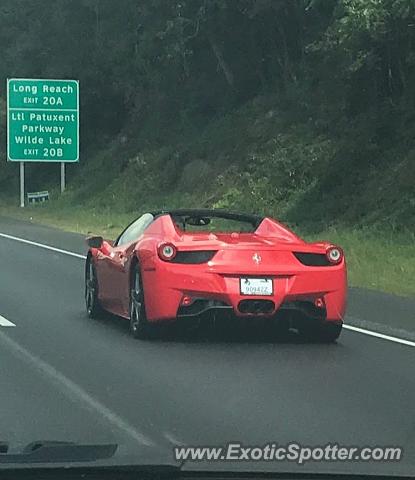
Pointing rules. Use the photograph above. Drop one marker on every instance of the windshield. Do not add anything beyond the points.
(207, 235)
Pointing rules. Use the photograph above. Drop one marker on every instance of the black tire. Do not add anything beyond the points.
(139, 325)
(329, 332)
(93, 308)
(324, 332)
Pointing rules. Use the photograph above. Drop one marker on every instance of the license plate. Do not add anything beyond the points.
(256, 286)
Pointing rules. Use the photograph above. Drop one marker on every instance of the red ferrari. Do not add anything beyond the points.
(169, 265)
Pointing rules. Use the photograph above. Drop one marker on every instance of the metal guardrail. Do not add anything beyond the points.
(36, 197)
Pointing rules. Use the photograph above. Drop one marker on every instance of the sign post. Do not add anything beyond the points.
(62, 177)
(43, 123)
(22, 184)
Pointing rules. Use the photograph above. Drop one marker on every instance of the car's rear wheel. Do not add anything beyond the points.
(326, 332)
(329, 331)
(139, 325)
(93, 307)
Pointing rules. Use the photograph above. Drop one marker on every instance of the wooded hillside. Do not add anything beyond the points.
(305, 108)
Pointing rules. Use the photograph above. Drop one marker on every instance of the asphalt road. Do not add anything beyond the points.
(65, 377)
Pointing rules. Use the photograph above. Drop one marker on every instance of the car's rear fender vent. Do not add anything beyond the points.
(256, 307)
(312, 259)
(193, 256)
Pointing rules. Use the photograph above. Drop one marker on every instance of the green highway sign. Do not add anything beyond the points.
(42, 120)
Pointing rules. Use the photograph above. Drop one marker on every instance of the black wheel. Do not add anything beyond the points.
(139, 325)
(325, 332)
(93, 307)
(329, 331)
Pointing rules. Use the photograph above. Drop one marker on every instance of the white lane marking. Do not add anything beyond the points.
(6, 323)
(348, 327)
(41, 245)
(402, 341)
(74, 391)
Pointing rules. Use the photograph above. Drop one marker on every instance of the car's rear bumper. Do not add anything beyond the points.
(289, 314)
(298, 289)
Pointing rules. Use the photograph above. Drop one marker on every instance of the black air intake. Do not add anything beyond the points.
(193, 256)
(313, 259)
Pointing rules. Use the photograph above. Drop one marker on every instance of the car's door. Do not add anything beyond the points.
(117, 264)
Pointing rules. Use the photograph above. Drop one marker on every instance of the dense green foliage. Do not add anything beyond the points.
(305, 108)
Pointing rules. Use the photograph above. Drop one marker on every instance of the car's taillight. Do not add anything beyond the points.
(334, 255)
(167, 251)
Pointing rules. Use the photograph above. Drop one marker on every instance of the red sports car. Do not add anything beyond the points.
(168, 265)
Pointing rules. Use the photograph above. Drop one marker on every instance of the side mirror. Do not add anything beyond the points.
(94, 242)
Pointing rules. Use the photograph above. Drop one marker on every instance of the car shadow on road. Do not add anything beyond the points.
(259, 332)
(236, 335)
